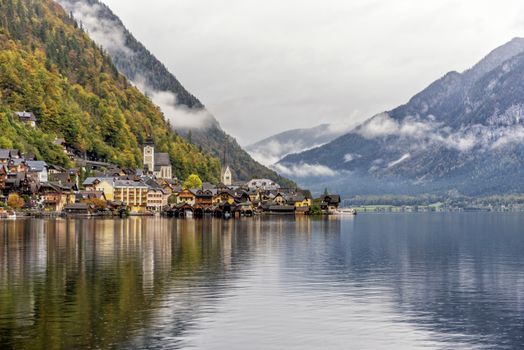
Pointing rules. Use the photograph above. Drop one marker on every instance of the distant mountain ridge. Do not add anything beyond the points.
(185, 112)
(464, 133)
(271, 150)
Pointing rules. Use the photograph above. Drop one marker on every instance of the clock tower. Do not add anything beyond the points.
(149, 156)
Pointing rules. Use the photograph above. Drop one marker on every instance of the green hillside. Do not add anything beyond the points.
(143, 65)
(51, 67)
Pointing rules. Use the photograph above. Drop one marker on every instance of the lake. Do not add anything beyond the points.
(376, 281)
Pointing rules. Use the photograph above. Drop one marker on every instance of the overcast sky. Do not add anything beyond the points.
(266, 66)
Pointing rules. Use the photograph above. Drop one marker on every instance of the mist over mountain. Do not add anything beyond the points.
(462, 134)
(271, 150)
(51, 68)
(184, 111)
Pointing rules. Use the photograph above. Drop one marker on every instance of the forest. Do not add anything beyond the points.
(50, 66)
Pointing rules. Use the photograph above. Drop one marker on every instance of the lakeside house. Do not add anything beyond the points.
(27, 118)
(329, 202)
(47, 188)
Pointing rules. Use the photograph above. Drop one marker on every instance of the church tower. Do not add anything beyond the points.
(149, 155)
(226, 176)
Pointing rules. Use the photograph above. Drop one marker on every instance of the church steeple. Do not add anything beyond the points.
(149, 155)
(226, 174)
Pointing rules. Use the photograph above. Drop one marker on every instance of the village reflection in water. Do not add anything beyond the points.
(97, 283)
(432, 281)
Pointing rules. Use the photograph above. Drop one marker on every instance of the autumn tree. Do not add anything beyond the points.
(193, 181)
(15, 201)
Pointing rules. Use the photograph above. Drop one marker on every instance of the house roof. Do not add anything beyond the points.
(297, 198)
(162, 159)
(26, 116)
(90, 194)
(16, 161)
(330, 198)
(5, 154)
(36, 165)
(91, 180)
(61, 177)
(130, 183)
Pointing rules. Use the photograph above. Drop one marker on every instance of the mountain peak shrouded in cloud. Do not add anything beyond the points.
(183, 110)
(272, 149)
(464, 132)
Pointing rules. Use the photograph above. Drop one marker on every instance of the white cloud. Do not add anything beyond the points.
(109, 35)
(379, 126)
(348, 158)
(180, 116)
(273, 151)
(400, 160)
(509, 137)
(277, 64)
(305, 170)
(103, 31)
(427, 132)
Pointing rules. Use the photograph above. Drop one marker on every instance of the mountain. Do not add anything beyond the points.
(272, 149)
(462, 134)
(185, 112)
(50, 66)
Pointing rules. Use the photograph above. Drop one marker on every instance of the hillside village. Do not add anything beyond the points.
(34, 187)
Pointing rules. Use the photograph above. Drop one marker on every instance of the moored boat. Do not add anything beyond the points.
(345, 212)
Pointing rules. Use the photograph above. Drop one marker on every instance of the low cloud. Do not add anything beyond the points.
(180, 116)
(304, 170)
(509, 137)
(400, 160)
(383, 125)
(502, 130)
(349, 157)
(105, 32)
(111, 36)
(274, 150)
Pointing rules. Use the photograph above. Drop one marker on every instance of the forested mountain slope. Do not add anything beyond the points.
(187, 114)
(50, 66)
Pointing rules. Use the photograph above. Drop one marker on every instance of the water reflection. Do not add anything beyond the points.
(376, 281)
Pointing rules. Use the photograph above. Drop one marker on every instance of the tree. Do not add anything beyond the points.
(193, 181)
(15, 201)
(326, 192)
(315, 210)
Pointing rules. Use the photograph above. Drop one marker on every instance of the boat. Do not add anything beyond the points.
(11, 215)
(345, 212)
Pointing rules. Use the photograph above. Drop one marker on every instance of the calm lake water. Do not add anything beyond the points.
(414, 281)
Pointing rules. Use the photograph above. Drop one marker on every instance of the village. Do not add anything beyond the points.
(32, 187)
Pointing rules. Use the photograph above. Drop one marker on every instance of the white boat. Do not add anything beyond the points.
(11, 215)
(345, 211)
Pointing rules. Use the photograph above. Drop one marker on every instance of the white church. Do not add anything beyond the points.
(157, 164)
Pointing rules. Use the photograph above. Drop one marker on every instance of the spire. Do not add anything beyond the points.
(149, 141)
(224, 160)
(226, 177)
